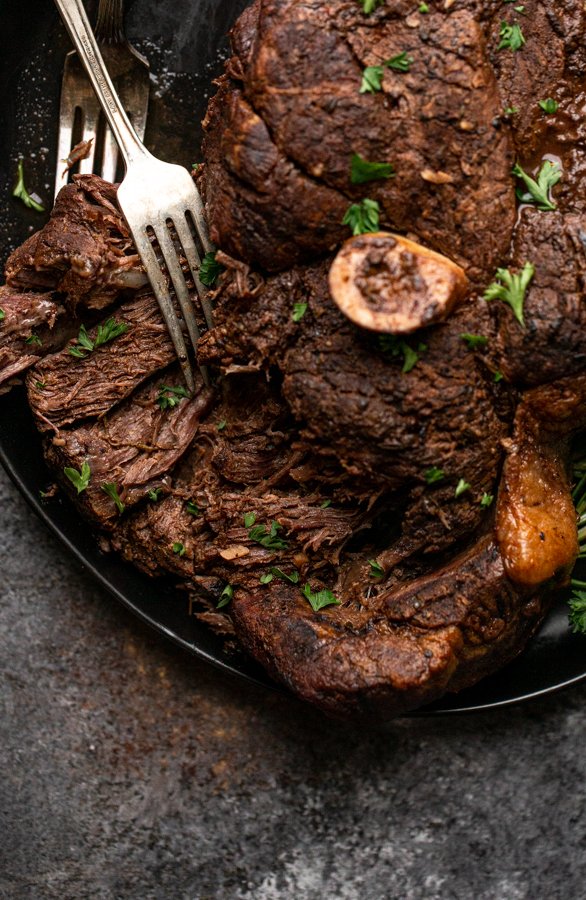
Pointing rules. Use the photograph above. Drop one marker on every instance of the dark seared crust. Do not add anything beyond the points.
(288, 116)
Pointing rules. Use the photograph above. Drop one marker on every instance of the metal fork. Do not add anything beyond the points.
(153, 196)
(129, 71)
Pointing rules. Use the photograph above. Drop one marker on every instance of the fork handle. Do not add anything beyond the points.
(76, 21)
(110, 22)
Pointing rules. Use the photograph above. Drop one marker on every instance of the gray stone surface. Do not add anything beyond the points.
(128, 770)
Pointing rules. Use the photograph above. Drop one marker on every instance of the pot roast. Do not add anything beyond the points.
(384, 512)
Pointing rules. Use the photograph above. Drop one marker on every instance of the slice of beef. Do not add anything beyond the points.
(355, 405)
(64, 389)
(289, 116)
(84, 251)
(31, 326)
(133, 448)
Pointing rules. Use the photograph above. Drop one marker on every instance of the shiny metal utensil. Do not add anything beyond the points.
(160, 202)
(80, 116)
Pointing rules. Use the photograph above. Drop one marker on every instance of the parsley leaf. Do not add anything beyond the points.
(293, 578)
(210, 269)
(154, 495)
(105, 333)
(2, 314)
(473, 341)
(511, 289)
(549, 106)
(538, 190)
(249, 519)
(423, 8)
(112, 491)
(81, 479)
(192, 508)
(225, 596)
(363, 217)
(178, 548)
(170, 397)
(34, 339)
(319, 599)
(433, 475)
(486, 500)
(299, 310)
(512, 38)
(21, 192)
(461, 488)
(372, 76)
(396, 346)
(369, 6)
(577, 604)
(269, 539)
(498, 376)
(376, 570)
(221, 425)
(361, 170)
(266, 578)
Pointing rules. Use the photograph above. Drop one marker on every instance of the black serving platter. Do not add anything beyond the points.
(185, 44)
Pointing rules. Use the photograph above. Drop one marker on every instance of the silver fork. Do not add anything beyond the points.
(153, 196)
(129, 71)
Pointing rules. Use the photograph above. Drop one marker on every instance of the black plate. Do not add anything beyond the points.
(185, 44)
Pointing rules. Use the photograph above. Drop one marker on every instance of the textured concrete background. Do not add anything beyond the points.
(128, 770)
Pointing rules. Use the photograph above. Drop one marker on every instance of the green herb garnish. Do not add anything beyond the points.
(178, 548)
(192, 508)
(269, 539)
(210, 269)
(361, 170)
(511, 289)
(549, 106)
(34, 340)
(461, 488)
(266, 578)
(512, 38)
(372, 76)
(396, 346)
(376, 570)
(81, 479)
(486, 500)
(21, 192)
(299, 310)
(363, 217)
(170, 397)
(225, 596)
(249, 519)
(111, 490)
(538, 191)
(154, 495)
(433, 475)
(369, 6)
(293, 578)
(2, 315)
(473, 341)
(104, 334)
(319, 599)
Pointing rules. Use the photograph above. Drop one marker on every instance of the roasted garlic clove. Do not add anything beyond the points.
(388, 283)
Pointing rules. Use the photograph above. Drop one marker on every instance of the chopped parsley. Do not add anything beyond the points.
(34, 340)
(372, 76)
(2, 314)
(266, 578)
(170, 397)
(461, 488)
(249, 519)
(112, 491)
(154, 495)
(81, 479)
(396, 346)
(376, 570)
(21, 192)
(498, 376)
(325, 504)
(178, 548)
(210, 269)
(363, 217)
(369, 6)
(221, 425)
(319, 599)
(423, 8)
(549, 106)
(225, 596)
(511, 288)
(486, 500)
(510, 111)
(512, 38)
(293, 578)
(192, 508)
(361, 170)
(577, 604)
(538, 190)
(433, 475)
(473, 341)
(269, 539)
(299, 310)
(104, 334)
